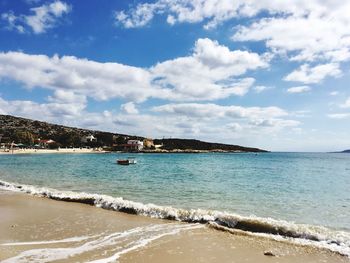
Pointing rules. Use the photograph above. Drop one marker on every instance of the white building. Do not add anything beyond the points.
(135, 144)
(89, 138)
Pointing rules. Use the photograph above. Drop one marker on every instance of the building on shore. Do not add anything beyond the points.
(148, 143)
(88, 138)
(44, 143)
(130, 146)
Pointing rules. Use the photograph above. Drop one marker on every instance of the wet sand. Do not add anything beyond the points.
(72, 232)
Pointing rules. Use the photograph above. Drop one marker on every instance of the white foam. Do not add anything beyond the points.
(142, 242)
(121, 242)
(337, 241)
(66, 240)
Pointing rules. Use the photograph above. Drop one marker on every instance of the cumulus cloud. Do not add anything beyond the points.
(308, 75)
(210, 12)
(316, 37)
(100, 81)
(322, 34)
(129, 108)
(299, 89)
(210, 110)
(272, 118)
(211, 72)
(40, 20)
(141, 17)
(52, 111)
(346, 104)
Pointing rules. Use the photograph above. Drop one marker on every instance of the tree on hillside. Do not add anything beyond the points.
(24, 137)
(69, 139)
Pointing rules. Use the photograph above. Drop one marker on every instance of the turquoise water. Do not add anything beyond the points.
(310, 188)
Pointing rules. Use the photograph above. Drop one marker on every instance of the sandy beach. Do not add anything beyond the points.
(44, 230)
(49, 151)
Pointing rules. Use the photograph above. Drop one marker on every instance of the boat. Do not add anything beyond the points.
(127, 161)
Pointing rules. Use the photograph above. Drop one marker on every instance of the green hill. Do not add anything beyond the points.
(27, 131)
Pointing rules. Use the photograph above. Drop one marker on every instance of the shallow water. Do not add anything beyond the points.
(310, 188)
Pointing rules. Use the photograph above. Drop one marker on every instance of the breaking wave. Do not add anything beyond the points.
(318, 236)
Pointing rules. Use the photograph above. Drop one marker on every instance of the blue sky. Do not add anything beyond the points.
(254, 73)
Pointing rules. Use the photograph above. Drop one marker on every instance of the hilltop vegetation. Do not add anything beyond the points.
(26, 131)
(183, 144)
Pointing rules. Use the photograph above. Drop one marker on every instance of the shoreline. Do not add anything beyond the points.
(290, 233)
(85, 150)
(52, 151)
(80, 231)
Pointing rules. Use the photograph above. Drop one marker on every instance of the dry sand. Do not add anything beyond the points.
(129, 238)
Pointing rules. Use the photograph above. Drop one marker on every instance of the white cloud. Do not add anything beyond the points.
(259, 89)
(303, 31)
(339, 116)
(41, 19)
(141, 17)
(210, 73)
(51, 111)
(299, 89)
(346, 104)
(216, 111)
(316, 36)
(334, 93)
(100, 81)
(212, 12)
(129, 108)
(280, 123)
(235, 127)
(67, 96)
(308, 75)
(12, 24)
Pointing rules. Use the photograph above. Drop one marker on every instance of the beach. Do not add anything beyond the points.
(43, 230)
(49, 151)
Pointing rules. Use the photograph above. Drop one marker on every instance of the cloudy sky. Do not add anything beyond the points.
(261, 73)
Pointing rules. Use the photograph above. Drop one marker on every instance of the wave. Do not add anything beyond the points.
(322, 237)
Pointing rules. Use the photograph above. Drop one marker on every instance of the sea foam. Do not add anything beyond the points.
(118, 243)
(303, 234)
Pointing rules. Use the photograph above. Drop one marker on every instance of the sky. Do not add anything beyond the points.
(258, 73)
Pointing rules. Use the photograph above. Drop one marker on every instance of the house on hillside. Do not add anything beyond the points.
(130, 146)
(135, 145)
(44, 143)
(89, 138)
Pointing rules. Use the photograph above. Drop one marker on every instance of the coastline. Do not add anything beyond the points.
(73, 232)
(53, 151)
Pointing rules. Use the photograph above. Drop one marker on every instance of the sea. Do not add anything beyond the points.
(300, 197)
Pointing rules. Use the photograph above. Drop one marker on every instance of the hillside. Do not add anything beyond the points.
(183, 144)
(27, 131)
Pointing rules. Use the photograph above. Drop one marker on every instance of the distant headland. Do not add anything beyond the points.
(22, 133)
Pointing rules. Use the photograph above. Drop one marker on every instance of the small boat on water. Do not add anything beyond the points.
(127, 161)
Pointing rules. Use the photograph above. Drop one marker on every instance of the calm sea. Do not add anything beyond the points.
(304, 188)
